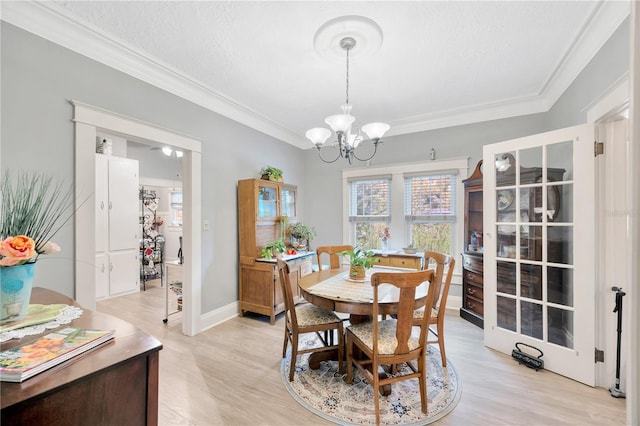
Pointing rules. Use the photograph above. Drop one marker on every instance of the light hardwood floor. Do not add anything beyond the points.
(230, 375)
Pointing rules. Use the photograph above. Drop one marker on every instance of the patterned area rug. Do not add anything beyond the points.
(325, 393)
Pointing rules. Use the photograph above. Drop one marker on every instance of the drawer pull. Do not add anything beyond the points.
(471, 305)
(471, 291)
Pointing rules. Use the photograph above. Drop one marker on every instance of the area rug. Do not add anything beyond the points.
(324, 392)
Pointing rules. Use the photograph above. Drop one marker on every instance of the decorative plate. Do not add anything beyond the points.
(505, 198)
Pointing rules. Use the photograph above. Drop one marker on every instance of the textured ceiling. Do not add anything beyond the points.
(437, 59)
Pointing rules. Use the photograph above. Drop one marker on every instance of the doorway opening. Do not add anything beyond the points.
(88, 121)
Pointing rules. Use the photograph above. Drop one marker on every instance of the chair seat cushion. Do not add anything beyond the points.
(387, 341)
(419, 313)
(309, 314)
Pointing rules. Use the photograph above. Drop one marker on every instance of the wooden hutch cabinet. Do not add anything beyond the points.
(472, 257)
(265, 208)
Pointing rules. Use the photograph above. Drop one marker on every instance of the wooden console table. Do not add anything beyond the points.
(397, 259)
(113, 384)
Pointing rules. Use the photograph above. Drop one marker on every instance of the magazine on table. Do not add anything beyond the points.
(35, 356)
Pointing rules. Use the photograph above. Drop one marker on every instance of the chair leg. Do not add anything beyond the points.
(441, 344)
(340, 349)
(286, 341)
(349, 347)
(376, 391)
(294, 356)
(422, 381)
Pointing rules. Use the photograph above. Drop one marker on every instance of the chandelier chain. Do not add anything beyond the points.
(348, 49)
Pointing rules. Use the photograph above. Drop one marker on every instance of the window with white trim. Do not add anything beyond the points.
(369, 209)
(430, 210)
(419, 203)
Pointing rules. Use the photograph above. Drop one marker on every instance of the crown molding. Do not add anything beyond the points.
(604, 21)
(55, 24)
(468, 115)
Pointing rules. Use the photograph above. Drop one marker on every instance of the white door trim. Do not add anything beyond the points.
(87, 120)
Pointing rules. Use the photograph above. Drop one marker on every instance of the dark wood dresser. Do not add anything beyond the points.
(113, 384)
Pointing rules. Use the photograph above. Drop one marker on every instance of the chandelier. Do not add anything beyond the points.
(345, 140)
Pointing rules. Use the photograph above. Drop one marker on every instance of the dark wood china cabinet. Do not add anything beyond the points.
(529, 217)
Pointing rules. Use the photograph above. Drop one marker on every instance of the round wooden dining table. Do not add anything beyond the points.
(358, 310)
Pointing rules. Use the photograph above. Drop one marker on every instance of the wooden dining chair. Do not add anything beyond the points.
(391, 341)
(440, 301)
(332, 251)
(307, 318)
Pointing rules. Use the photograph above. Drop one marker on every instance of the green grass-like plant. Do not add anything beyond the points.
(35, 205)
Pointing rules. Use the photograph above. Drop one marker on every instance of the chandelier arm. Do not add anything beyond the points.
(328, 161)
(375, 149)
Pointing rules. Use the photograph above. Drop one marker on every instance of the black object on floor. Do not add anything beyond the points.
(529, 360)
(615, 391)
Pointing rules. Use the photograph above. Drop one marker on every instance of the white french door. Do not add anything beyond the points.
(539, 250)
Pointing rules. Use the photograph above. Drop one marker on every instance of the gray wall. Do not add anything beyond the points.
(38, 78)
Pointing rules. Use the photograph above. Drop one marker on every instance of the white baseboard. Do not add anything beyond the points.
(454, 302)
(225, 313)
(218, 316)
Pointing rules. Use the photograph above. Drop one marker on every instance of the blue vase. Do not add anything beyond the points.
(16, 283)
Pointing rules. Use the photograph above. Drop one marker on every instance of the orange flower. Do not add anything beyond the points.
(16, 250)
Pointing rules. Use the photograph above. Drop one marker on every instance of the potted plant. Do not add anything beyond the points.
(410, 249)
(273, 248)
(360, 260)
(271, 173)
(302, 233)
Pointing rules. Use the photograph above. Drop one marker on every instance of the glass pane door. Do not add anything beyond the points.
(288, 197)
(267, 202)
(535, 248)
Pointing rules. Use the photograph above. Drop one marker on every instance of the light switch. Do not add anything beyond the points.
(205, 225)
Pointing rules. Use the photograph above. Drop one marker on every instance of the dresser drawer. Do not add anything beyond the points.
(405, 262)
(474, 278)
(382, 261)
(473, 263)
(474, 305)
(474, 291)
(398, 261)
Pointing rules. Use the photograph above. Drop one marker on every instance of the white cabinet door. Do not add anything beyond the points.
(102, 202)
(117, 226)
(102, 277)
(124, 207)
(123, 272)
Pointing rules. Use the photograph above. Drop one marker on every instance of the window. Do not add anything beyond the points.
(176, 208)
(369, 209)
(419, 202)
(430, 210)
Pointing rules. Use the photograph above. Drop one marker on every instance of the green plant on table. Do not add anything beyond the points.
(34, 208)
(276, 246)
(359, 257)
(302, 232)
